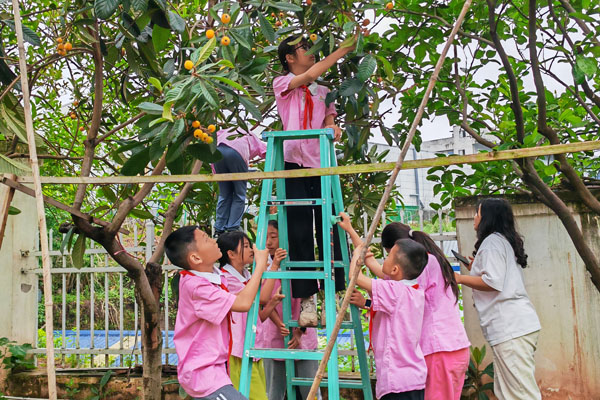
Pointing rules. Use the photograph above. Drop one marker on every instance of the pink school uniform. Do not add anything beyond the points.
(442, 335)
(245, 143)
(291, 106)
(202, 332)
(399, 362)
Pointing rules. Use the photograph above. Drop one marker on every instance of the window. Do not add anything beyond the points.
(461, 152)
(462, 133)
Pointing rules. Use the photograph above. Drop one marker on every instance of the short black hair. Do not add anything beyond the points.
(274, 223)
(411, 257)
(285, 48)
(230, 241)
(177, 245)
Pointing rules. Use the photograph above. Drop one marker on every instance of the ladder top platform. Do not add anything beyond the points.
(306, 134)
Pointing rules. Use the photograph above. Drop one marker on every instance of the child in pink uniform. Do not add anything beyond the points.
(274, 331)
(443, 341)
(399, 304)
(237, 254)
(202, 329)
(301, 105)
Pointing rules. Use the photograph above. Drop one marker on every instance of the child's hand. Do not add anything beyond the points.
(471, 263)
(279, 255)
(276, 299)
(337, 132)
(294, 343)
(260, 258)
(457, 277)
(283, 330)
(354, 261)
(345, 223)
(369, 254)
(357, 299)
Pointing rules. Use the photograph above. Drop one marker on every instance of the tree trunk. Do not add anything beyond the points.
(152, 337)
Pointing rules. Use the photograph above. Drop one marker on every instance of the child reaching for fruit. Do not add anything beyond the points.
(301, 105)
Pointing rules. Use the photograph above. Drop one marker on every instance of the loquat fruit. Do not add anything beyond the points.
(313, 37)
(188, 64)
(210, 34)
(389, 6)
(273, 15)
(60, 46)
(309, 3)
(211, 128)
(278, 23)
(209, 140)
(59, 40)
(225, 40)
(81, 128)
(75, 103)
(225, 18)
(68, 46)
(198, 133)
(366, 22)
(196, 124)
(281, 15)
(73, 115)
(254, 49)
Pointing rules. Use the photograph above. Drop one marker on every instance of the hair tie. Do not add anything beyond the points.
(410, 233)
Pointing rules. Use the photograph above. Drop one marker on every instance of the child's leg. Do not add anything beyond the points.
(307, 369)
(238, 204)
(412, 395)
(223, 206)
(258, 390)
(275, 379)
(446, 374)
(227, 392)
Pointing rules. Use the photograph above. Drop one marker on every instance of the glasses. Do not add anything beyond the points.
(304, 46)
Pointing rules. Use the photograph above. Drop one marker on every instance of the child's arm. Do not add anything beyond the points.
(474, 282)
(370, 261)
(244, 299)
(319, 68)
(268, 284)
(362, 281)
(276, 319)
(270, 306)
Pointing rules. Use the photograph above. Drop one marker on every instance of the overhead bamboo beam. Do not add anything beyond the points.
(39, 201)
(343, 170)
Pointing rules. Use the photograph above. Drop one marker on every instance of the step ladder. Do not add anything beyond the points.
(331, 198)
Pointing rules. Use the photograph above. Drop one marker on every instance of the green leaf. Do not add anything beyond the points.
(136, 163)
(104, 9)
(167, 114)
(366, 68)
(350, 87)
(240, 39)
(176, 22)
(10, 166)
(387, 67)
(78, 251)
(285, 6)
(151, 108)
(14, 123)
(155, 82)
(202, 54)
(160, 37)
(105, 378)
(29, 34)
(208, 95)
(13, 210)
(296, 41)
(139, 5)
(266, 28)
(204, 152)
(316, 47)
(587, 65)
(251, 108)
(141, 214)
(66, 240)
(578, 75)
(231, 83)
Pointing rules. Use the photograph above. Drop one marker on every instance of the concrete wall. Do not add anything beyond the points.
(18, 291)
(567, 303)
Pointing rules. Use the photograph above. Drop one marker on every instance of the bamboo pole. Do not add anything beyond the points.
(383, 201)
(489, 156)
(39, 204)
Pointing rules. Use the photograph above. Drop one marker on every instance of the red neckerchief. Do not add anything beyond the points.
(229, 319)
(308, 107)
(372, 317)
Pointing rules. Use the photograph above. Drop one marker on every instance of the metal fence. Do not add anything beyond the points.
(83, 345)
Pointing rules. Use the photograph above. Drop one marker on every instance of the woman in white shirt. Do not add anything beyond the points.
(507, 317)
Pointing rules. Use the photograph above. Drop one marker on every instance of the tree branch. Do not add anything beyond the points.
(569, 8)
(172, 213)
(119, 127)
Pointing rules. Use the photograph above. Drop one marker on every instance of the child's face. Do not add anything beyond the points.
(244, 253)
(299, 58)
(272, 239)
(390, 266)
(206, 247)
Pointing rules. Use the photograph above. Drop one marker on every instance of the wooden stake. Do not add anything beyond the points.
(40, 206)
(489, 156)
(383, 201)
(4, 207)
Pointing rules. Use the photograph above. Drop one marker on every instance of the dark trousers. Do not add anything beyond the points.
(301, 232)
(412, 395)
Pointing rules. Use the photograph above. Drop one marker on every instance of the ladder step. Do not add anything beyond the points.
(344, 383)
(295, 202)
(309, 264)
(345, 324)
(286, 354)
(303, 134)
(293, 275)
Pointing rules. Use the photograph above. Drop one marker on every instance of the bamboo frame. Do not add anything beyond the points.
(5, 207)
(343, 170)
(39, 200)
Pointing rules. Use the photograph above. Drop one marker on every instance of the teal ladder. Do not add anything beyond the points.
(331, 198)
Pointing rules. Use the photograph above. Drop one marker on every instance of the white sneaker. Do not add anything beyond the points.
(308, 313)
